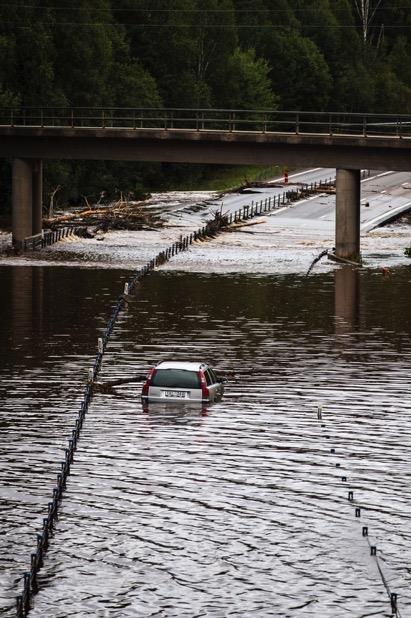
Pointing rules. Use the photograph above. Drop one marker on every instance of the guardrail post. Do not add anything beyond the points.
(393, 599)
(297, 124)
(330, 128)
(72, 118)
(103, 119)
(364, 126)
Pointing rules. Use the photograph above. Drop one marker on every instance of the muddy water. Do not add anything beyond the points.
(231, 510)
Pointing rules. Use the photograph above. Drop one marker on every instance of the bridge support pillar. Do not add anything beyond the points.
(37, 192)
(347, 215)
(27, 190)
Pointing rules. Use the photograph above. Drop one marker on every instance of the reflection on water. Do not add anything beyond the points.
(231, 510)
(347, 300)
(169, 413)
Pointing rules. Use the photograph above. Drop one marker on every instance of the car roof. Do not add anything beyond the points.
(186, 366)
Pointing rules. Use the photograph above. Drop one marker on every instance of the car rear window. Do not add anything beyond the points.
(213, 376)
(176, 378)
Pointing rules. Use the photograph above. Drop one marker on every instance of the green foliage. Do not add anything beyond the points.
(247, 84)
(391, 92)
(300, 73)
(84, 44)
(354, 89)
(399, 59)
(133, 86)
(286, 54)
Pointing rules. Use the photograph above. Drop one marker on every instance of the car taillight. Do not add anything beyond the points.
(204, 390)
(147, 383)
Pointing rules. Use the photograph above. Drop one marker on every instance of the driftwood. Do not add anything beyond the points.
(109, 386)
(120, 215)
(51, 203)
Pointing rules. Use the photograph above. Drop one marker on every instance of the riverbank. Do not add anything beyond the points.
(227, 179)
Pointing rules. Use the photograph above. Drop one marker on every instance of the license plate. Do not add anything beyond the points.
(180, 394)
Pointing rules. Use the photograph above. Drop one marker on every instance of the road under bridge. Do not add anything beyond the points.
(296, 139)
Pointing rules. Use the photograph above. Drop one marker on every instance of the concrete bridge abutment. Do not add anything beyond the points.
(347, 214)
(27, 199)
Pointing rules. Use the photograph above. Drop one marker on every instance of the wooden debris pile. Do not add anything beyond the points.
(120, 215)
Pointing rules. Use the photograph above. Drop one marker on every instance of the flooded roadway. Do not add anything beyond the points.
(226, 511)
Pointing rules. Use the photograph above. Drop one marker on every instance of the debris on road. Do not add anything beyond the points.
(121, 215)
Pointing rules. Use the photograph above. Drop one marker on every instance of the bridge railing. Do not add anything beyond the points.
(229, 120)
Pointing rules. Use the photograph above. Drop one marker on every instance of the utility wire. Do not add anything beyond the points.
(150, 10)
(195, 25)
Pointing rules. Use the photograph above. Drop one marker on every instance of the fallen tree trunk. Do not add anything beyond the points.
(120, 215)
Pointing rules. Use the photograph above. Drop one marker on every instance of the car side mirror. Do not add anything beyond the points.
(222, 379)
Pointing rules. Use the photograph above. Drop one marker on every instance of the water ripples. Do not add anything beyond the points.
(234, 509)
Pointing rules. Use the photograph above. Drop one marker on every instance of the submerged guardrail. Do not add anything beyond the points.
(359, 510)
(47, 238)
(210, 229)
(213, 227)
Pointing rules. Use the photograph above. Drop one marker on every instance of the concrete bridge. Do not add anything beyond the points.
(296, 139)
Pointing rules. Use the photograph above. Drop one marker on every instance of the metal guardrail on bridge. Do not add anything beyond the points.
(224, 120)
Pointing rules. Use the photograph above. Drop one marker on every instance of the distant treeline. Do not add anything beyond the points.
(350, 55)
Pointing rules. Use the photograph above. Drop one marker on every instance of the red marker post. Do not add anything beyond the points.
(285, 176)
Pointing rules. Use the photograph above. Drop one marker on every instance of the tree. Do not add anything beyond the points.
(83, 39)
(247, 83)
(8, 97)
(299, 74)
(36, 57)
(398, 59)
(392, 95)
(354, 89)
(366, 11)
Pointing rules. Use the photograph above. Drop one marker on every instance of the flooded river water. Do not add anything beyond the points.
(238, 509)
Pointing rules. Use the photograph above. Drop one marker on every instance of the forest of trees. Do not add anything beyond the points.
(342, 55)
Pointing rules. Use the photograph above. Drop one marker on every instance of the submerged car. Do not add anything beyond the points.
(185, 382)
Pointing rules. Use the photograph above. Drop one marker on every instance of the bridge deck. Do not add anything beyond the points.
(207, 146)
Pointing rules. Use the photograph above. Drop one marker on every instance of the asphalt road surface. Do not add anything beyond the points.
(383, 194)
